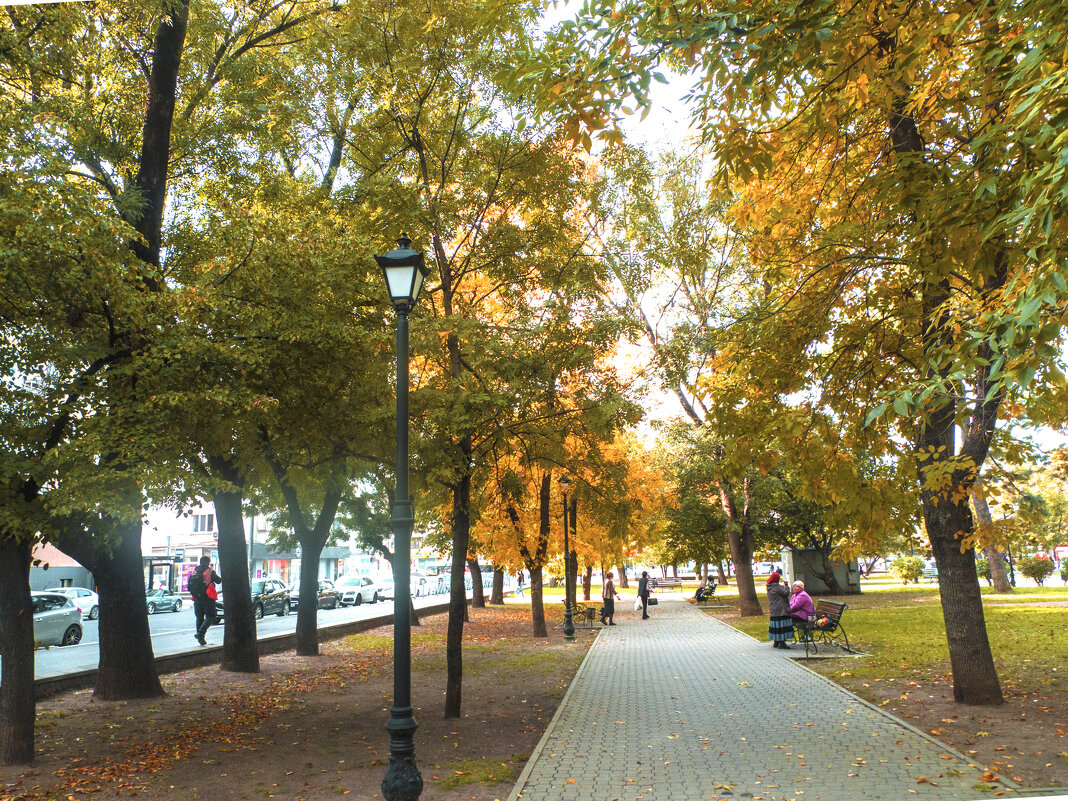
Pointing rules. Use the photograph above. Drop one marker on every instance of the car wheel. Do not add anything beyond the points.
(284, 610)
(94, 613)
(375, 599)
(72, 636)
(177, 606)
(358, 601)
(152, 609)
(257, 612)
(333, 603)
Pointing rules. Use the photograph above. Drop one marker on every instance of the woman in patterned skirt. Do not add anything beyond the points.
(781, 627)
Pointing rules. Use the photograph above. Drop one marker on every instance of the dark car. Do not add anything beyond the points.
(327, 595)
(269, 597)
(160, 600)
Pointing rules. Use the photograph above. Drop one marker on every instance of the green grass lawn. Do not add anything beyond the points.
(901, 630)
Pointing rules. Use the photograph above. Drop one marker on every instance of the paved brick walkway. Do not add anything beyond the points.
(683, 707)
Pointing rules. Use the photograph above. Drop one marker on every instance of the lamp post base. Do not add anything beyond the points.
(402, 781)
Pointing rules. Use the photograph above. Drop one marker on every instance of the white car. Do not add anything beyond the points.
(56, 620)
(354, 590)
(87, 601)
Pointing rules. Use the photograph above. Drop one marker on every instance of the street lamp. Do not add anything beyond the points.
(569, 626)
(405, 272)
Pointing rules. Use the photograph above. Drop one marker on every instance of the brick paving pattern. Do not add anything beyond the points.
(683, 707)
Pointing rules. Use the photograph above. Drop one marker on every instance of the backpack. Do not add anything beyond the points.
(196, 585)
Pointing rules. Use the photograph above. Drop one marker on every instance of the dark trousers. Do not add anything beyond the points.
(645, 605)
(206, 614)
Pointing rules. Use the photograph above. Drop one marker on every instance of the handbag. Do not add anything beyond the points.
(653, 601)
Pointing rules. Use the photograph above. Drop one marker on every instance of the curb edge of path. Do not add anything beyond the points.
(516, 795)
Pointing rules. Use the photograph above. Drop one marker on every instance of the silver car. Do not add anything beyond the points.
(56, 620)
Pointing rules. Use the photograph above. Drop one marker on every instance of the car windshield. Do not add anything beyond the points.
(257, 587)
(351, 581)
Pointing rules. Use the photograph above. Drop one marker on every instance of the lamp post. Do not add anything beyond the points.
(569, 626)
(405, 272)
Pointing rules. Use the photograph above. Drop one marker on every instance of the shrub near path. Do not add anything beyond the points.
(311, 728)
(906, 672)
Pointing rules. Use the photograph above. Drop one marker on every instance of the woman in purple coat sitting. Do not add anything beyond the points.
(801, 603)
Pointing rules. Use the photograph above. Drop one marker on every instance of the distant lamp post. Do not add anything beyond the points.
(569, 625)
(405, 272)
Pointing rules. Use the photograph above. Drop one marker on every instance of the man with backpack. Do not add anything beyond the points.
(202, 587)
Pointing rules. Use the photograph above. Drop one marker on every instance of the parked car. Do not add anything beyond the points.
(160, 600)
(87, 601)
(385, 589)
(327, 595)
(354, 590)
(270, 596)
(56, 619)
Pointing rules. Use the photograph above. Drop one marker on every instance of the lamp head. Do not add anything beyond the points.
(405, 271)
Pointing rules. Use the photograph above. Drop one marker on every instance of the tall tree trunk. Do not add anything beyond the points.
(497, 592)
(127, 663)
(740, 541)
(587, 582)
(478, 593)
(537, 603)
(112, 552)
(827, 575)
(623, 583)
(307, 630)
(461, 535)
(17, 707)
(721, 574)
(240, 651)
(999, 576)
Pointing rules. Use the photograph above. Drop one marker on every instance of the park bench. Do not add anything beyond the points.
(583, 615)
(658, 583)
(709, 594)
(824, 627)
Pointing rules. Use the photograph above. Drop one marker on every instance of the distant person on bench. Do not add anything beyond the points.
(703, 593)
(801, 603)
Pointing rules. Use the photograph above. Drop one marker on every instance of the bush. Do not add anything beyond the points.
(907, 568)
(1064, 571)
(1035, 568)
(982, 567)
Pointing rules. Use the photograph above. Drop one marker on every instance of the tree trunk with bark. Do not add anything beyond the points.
(127, 663)
(740, 541)
(537, 602)
(497, 592)
(17, 697)
(112, 553)
(461, 535)
(478, 592)
(999, 576)
(623, 583)
(721, 575)
(587, 582)
(240, 650)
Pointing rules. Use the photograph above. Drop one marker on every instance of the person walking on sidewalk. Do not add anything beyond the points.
(608, 595)
(643, 593)
(519, 585)
(781, 626)
(202, 587)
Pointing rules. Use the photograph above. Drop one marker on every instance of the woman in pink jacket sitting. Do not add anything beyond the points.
(801, 603)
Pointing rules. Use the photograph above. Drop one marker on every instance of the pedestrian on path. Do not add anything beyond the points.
(643, 593)
(609, 596)
(781, 627)
(519, 584)
(202, 587)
